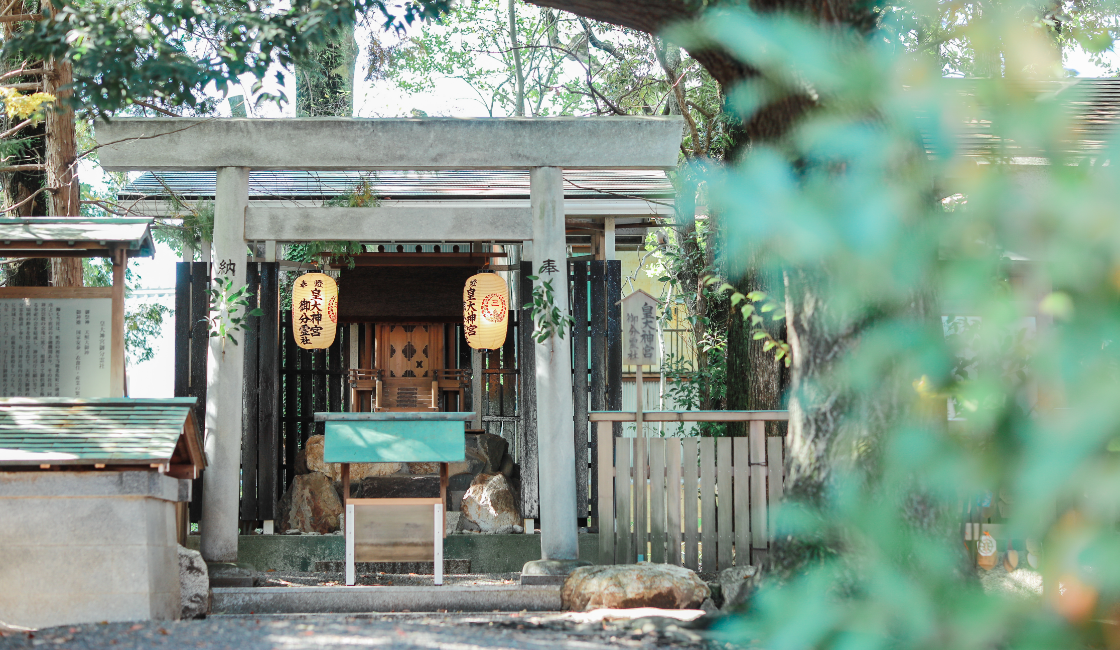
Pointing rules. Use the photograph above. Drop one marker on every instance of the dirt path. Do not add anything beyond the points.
(523, 631)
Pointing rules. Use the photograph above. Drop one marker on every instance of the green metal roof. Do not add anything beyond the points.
(70, 236)
(109, 431)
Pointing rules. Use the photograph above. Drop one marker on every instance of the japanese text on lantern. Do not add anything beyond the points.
(311, 313)
(639, 331)
(470, 313)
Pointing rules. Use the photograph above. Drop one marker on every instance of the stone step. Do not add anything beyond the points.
(354, 600)
(450, 567)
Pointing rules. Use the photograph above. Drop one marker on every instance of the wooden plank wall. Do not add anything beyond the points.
(604, 356)
(192, 338)
(578, 298)
(711, 500)
(260, 442)
(309, 381)
(527, 431)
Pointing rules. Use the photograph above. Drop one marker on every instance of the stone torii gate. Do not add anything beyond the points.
(544, 146)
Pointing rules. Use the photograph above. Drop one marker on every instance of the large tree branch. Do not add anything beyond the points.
(653, 16)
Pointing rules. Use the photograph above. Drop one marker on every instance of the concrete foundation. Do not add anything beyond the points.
(82, 547)
(487, 553)
(352, 600)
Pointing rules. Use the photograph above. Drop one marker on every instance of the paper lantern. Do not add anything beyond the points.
(314, 311)
(485, 311)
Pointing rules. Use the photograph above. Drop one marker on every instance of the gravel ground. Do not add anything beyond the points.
(515, 631)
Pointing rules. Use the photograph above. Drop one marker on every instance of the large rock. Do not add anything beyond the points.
(310, 505)
(626, 586)
(488, 449)
(194, 585)
(313, 450)
(736, 584)
(491, 505)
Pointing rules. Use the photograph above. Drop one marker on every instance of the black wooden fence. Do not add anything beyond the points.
(260, 482)
(310, 381)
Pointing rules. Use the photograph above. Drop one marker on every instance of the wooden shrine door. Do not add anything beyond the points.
(409, 354)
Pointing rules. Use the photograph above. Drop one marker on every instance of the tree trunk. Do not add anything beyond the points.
(755, 377)
(62, 177)
(325, 80)
(518, 71)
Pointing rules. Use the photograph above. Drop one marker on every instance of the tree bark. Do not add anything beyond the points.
(519, 73)
(325, 80)
(62, 177)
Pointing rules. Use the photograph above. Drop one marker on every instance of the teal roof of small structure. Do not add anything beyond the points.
(74, 236)
(109, 431)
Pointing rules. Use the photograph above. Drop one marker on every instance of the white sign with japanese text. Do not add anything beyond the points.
(639, 329)
(55, 347)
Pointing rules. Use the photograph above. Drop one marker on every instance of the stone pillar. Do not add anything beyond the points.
(555, 428)
(224, 377)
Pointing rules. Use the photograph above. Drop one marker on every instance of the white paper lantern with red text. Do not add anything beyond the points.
(485, 311)
(314, 310)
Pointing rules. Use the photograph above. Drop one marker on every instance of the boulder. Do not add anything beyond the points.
(736, 584)
(310, 505)
(626, 586)
(490, 504)
(313, 451)
(194, 585)
(423, 468)
(487, 448)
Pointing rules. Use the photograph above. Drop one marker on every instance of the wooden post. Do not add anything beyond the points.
(477, 396)
(117, 386)
(608, 239)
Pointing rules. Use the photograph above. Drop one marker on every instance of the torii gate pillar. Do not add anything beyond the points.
(224, 379)
(555, 427)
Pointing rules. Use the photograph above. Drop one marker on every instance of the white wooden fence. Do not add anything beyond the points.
(704, 503)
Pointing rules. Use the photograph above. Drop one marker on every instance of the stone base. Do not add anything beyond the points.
(84, 547)
(549, 572)
(228, 574)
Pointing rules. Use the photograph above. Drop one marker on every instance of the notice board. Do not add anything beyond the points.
(56, 347)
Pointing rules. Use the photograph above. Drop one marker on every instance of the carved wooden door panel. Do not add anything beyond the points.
(409, 353)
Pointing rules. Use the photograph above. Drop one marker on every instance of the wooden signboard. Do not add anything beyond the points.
(639, 329)
(57, 344)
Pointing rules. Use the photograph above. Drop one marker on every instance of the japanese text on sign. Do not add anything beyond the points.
(639, 329)
(46, 348)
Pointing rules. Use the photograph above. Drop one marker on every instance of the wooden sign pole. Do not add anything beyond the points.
(639, 314)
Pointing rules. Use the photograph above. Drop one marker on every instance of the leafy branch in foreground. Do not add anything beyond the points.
(227, 306)
(754, 305)
(548, 319)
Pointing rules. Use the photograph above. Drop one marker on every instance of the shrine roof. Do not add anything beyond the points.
(75, 237)
(406, 185)
(107, 433)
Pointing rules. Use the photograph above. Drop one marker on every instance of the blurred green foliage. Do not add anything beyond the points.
(879, 272)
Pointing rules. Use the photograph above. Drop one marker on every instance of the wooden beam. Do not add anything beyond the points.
(690, 416)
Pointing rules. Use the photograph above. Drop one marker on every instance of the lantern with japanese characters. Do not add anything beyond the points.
(485, 311)
(314, 310)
